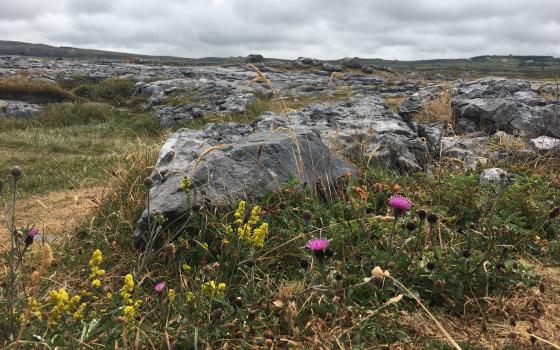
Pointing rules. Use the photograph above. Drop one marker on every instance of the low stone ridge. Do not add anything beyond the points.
(505, 104)
(19, 109)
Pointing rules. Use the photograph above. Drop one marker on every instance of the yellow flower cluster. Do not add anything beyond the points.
(34, 306)
(255, 235)
(186, 268)
(131, 307)
(96, 271)
(186, 184)
(212, 289)
(240, 213)
(62, 303)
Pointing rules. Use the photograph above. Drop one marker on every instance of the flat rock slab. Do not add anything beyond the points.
(19, 109)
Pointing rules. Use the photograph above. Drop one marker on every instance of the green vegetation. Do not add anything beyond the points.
(38, 91)
(461, 246)
(72, 144)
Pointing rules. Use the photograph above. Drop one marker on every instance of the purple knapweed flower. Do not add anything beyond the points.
(33, 232)
(318, 244)
(400, 204)
(31, 235)
(160, 287)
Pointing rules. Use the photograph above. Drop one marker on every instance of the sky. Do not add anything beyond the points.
(324, 29)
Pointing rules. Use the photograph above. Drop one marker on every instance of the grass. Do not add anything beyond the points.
(72, 144)
(437, 110)
(37, 91)
(282, 293)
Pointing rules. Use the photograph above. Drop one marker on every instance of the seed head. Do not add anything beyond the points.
(148, 182)
(411, 226)
(15, 171)
(306, 215)
(422, 214)
(432, 218)
(217, 314)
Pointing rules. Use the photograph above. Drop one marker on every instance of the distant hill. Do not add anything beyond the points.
(532, 66)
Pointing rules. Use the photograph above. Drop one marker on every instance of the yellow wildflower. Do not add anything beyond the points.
(171, 294)
(96, 283)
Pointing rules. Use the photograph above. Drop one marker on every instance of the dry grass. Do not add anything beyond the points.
(57, 212)
(510, 321)
(437, 110)
(394, 102)
(39, 91)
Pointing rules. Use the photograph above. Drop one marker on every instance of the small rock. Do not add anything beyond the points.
(545, 143)
(493, 175)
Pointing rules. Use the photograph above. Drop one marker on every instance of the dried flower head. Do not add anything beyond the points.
(148, 182)
(432, 218)
(15, 171)
(306, 215)
(422, 214)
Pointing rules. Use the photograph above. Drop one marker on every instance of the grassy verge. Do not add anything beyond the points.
(72, 144)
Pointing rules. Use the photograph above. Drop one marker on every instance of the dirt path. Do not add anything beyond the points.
(55, 212)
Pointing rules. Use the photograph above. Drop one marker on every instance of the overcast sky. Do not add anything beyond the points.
(390, 29)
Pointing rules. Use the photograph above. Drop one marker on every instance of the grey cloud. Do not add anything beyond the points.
(404, 29)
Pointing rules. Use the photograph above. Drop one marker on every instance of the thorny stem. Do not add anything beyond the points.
(12, 230)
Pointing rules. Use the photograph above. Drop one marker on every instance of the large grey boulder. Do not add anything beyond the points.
(228, 162)
(19, 109)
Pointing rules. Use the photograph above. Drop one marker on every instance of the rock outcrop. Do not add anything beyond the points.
(19, 109)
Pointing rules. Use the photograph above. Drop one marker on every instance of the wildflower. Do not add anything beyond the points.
(190, 296)
(171, 294)
(186, 184)
(205, 246)
(96, 271)
(422, 214)
(400, 204)
(31, 235)
(79, 313)
(109, 296)
(229, 230)
(129, 313)
(318, 244)
(306, 215)
(126, 291)
(240, 212)
(211, 289)
(159, 287)
(186, 268)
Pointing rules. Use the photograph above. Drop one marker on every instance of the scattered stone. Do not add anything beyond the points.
(254, 58)
(545, 143)
(329, 67)
(493, 175)
(19, 109)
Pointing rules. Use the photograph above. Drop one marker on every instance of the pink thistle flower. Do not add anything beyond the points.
(31, 235)
(160, 287)
(400, 204)
(318, 244)
(32, 232)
